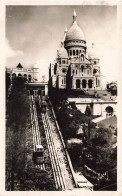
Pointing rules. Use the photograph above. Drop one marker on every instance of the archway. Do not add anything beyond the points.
(25, 76)
(109, 111)
(29, 77)
(84, 83)
(13, 75)
(90, 84)
(20, 75)
(77, 83)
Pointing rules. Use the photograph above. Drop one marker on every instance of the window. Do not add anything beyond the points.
(77, 83)
(82, 57)
(95, 62)
(76, 52)
(88, 71)
(70, 52)
(76, 71)
(63, 70)
(82, 68)
(73, 52)
(62, 81)
(73, 71)
(98, 82)
(90, 83)
(63, 61)
(94, 71)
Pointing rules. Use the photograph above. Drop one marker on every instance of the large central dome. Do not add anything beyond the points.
(75, 32)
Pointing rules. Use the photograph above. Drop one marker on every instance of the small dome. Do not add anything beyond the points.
(92, 53)
(75, 33)
(62, 53)
(35, 66)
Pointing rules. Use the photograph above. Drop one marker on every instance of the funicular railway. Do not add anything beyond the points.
(37, 147)
(60, 166)
(63, 172)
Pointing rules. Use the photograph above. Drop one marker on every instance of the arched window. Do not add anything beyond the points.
(82, 57)
(25, 75)
(62, 81)
(94, 71)
(55, 70)
(109, 111)
(70, 52)
(73, 52)
(29, 77)
(13, 75)
(20, 75)
(63, 61)
(82, 68)
(77, 83)
(84, 83)
(98, 82)
(73, 71)
(76, 52)
(76, 71)
(90, 83)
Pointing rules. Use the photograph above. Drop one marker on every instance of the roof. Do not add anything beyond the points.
(62, 53)
(19, 65)
(39, 146)
(75, 32)
(82, 181)
(93, 53)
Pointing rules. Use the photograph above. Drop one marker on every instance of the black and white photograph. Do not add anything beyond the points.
(61, 98)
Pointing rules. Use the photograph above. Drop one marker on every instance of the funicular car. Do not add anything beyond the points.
(38, 154)
(43, 106)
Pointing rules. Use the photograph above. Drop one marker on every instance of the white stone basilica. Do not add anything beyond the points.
(74, 68)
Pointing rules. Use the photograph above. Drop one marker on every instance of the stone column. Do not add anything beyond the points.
(73, 83)
(94, 82)
(46, 90)
(86, 84)
(81, 84)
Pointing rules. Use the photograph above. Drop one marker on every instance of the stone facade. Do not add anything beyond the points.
(74, 68)
(31, 75)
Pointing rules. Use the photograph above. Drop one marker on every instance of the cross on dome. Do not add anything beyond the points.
(74, 17)
(93, 45)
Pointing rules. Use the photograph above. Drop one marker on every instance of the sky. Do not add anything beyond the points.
(34, 33)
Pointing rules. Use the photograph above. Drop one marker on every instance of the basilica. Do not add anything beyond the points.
(74, 67)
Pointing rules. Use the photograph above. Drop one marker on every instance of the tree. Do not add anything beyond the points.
(36, 179)
(87, 111)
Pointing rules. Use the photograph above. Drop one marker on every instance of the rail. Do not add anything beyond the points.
(58, 176)
(61, 137)
(35, 128)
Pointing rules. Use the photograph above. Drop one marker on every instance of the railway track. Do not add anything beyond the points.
(60, 163)
(58, 175)
(35, 129)
(60, 167)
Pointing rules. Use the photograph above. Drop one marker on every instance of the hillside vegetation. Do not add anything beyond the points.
(21, 174)
(96, 149)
